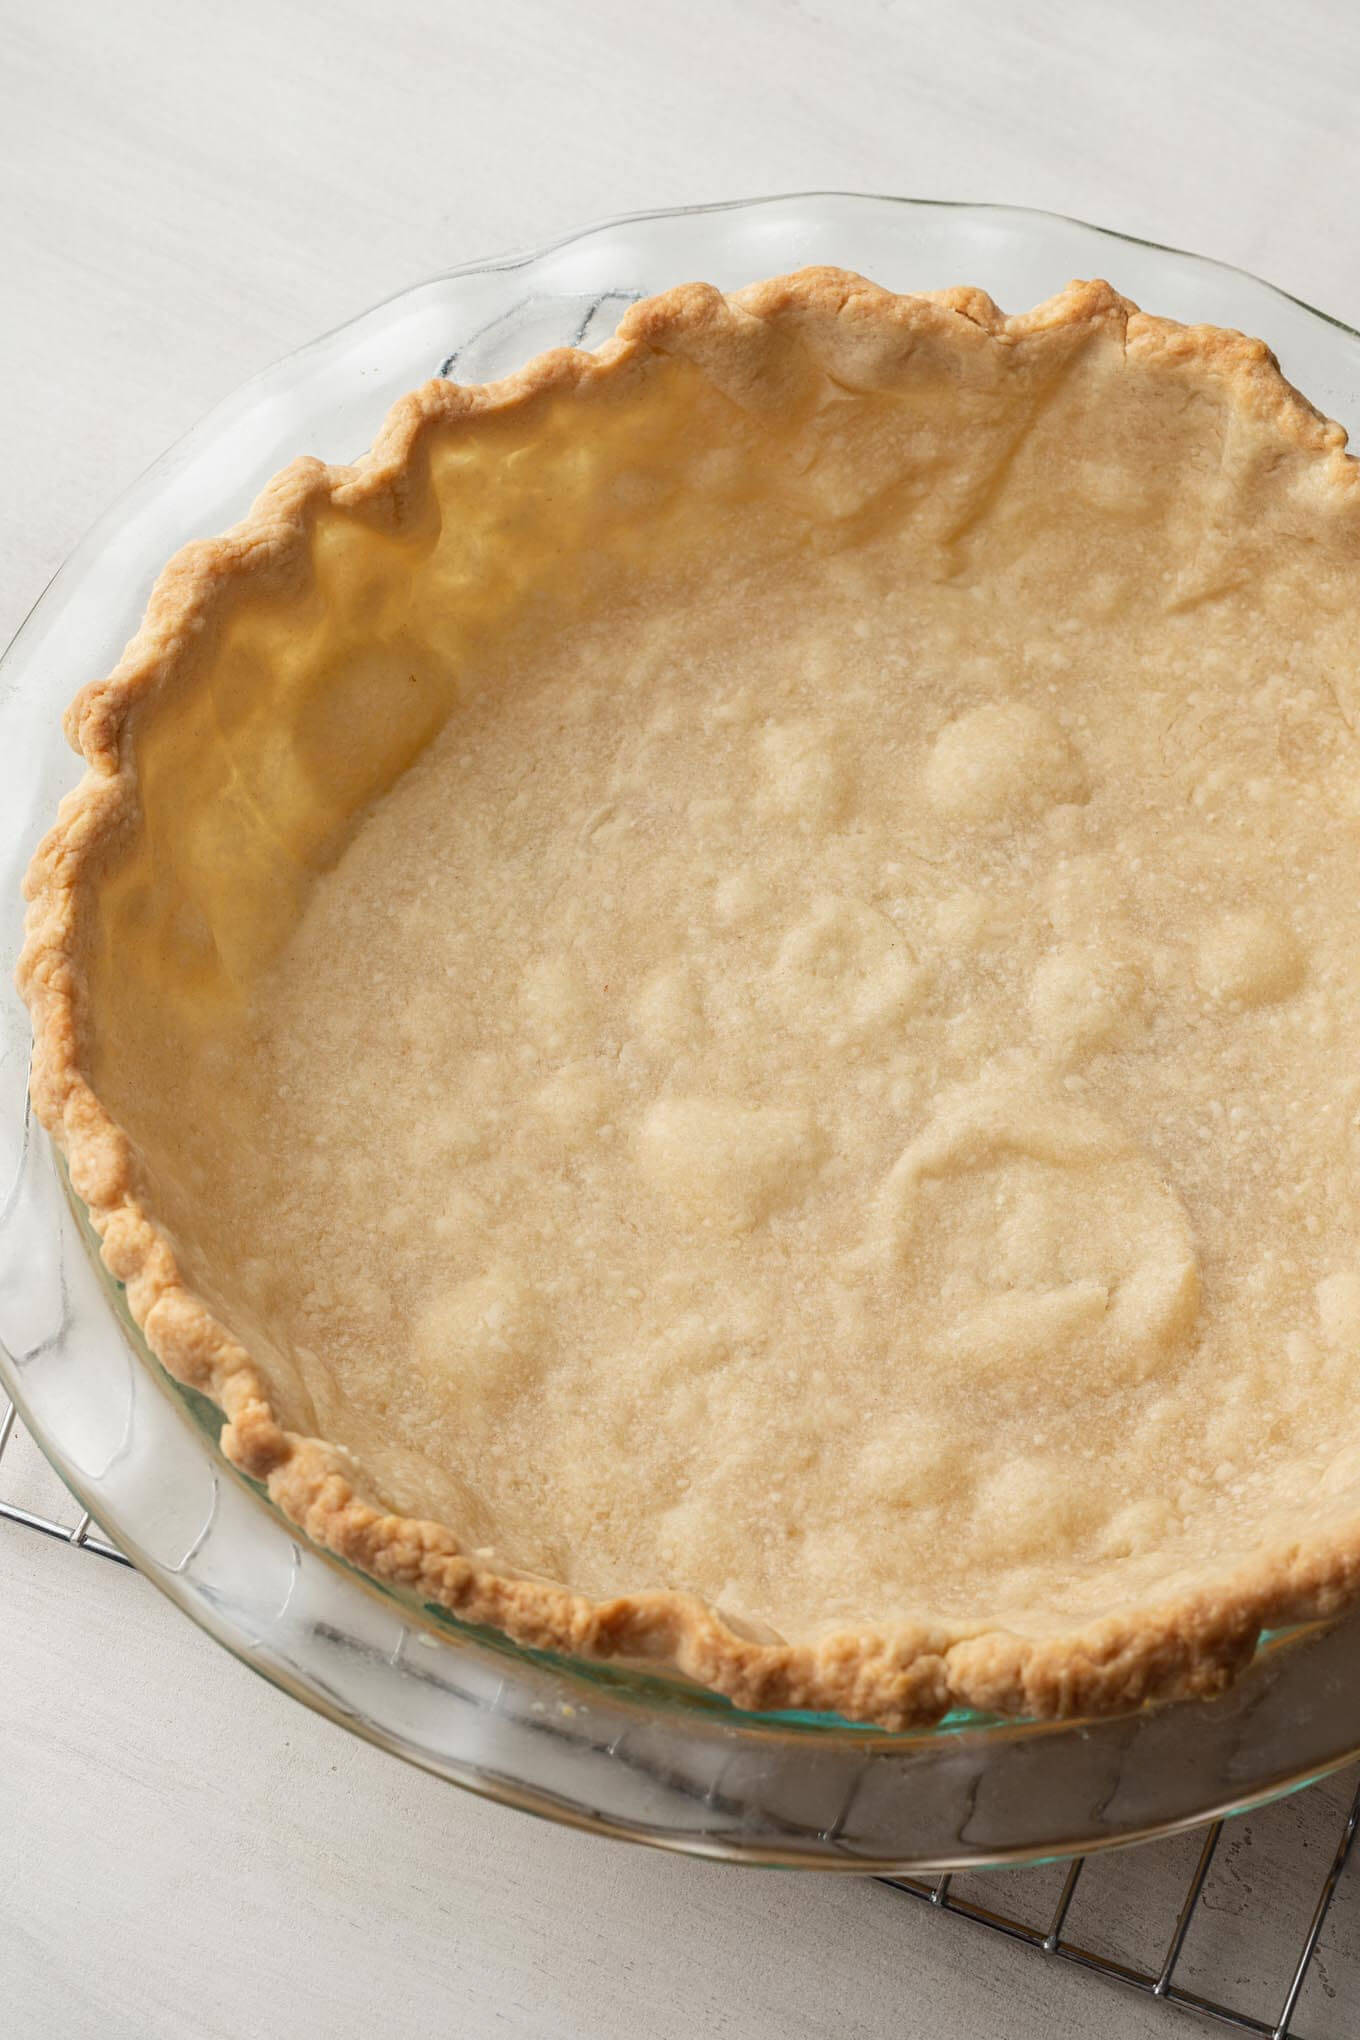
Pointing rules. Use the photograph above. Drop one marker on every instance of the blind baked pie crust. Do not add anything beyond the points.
(712, 996)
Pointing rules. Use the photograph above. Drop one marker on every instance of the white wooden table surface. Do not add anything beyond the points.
(187, 191)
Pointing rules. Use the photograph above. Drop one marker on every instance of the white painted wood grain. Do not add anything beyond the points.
(186, 192)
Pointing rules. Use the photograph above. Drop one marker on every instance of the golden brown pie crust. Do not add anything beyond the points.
(754, 346)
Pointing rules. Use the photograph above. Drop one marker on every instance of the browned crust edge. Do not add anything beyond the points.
(894, 1677)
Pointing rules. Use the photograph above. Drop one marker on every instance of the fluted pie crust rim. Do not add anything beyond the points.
(896, 1677)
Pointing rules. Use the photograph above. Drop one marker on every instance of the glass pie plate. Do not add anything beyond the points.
(604, 1748)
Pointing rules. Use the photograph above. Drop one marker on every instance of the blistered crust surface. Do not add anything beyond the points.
(922, 897)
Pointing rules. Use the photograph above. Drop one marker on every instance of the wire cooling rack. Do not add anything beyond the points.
(79, 1531)
(1174, 1878)
(1159, 1981)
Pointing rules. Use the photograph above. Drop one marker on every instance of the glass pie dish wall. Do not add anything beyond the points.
(601, 1747)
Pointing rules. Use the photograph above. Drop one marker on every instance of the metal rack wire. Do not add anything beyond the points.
(80, 1532)
(1050, 1937)
(1159, 1982)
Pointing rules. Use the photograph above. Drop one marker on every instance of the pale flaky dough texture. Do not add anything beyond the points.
(714, 997)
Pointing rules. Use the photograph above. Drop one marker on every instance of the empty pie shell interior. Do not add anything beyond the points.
(715, 997)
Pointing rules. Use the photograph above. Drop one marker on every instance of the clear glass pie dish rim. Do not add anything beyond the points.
(498, 313)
